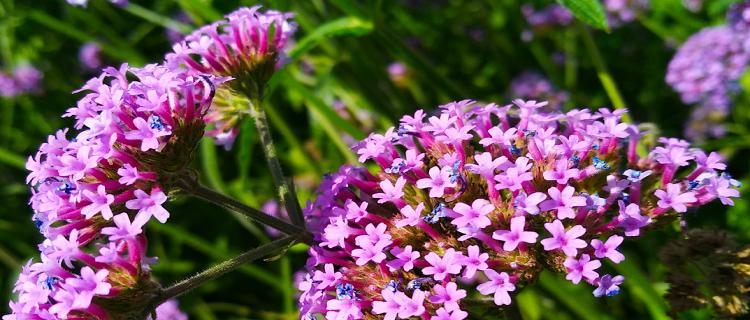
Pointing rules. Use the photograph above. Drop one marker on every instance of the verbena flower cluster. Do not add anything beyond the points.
(705, 71)
(532, 85)
(93, 192)
(24, 79)
(248, 46)
(479, 199)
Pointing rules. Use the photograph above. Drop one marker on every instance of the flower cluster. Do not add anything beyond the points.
(93, 193)
(478, 199)
(248, 46)
(532, 85)
(89, 55)
(24, 79)
(705, 72)
(620, 12)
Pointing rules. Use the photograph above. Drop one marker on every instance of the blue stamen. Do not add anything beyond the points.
(154, 122)
(515, 150)
(66, 187)
(344, 291)
(417, 283)
(392, 285)
(693, 184)
(625, 197)
(613, 293)
(455, 173)
(396, 168)
(436, 213)
(600, 164)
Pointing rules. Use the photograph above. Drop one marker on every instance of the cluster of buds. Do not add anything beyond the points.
(24, 79)
(93, 193)
(479, 199)
(532, 85)
(248, 46)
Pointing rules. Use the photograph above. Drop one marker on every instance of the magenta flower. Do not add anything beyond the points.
(327, 278)
(608, 249)
(100, 202)
(149, 205)
(561, 172)
(581, 268)
(391, 305)
(412, 216)
(631, 220)
(530, 203)
(405, 258)
(391, 192)
(443, 314)
(414, 306)
(147, 134)
(438, 181)
(474, 261)
(567, 241)
(516, 235)
(499, 285)
(674, 198)
(448, 295)
(441, 267)
(475, 216)
(123, 229)
(563, 201)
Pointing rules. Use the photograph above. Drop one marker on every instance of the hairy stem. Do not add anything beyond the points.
(200, 191)
(608, 82)
(283, 188)
(220, 269)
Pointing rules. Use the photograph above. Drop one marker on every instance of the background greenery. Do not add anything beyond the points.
(454, 50)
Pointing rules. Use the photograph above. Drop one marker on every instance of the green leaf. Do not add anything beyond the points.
(339, 27)
(588, 11)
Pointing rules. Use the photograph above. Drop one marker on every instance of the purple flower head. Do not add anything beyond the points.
(608, 285)
(489, 182)
(534, 86)
(738, 16)
(89, 55)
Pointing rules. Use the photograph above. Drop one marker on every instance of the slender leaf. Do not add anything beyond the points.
(339, 27)
(588, 11)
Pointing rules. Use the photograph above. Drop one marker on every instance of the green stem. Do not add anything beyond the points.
(608, 82)
(269, 150)
(222, 268)
(197, 190)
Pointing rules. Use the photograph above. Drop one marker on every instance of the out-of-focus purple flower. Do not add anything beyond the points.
(25, 79)
(271, 207)
(497, 191)
(620, 12)
(738, 16)
(28, 78)
(173, 35)
(90, 56)
(693, 5)
(531, 85)
(399, 73)
(705, 71)
(550, 16)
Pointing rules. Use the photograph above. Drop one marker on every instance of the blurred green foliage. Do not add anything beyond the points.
(453, 50)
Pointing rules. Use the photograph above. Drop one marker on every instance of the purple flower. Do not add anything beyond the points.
(89, 56)
(475, 216)
(438, 181)
(499, 285)
(123, 229)
(530, 203)
(608, 249)
(391, 192)
(448, 295)
(563, 201)
(391, 305)
(581, 268)
(100, 202)
(474, 261)
(631, 220)
(443, 314)
(561, 173)
(441, 267)
(149, 205)
(674, 198)
(405, 258)
(327, 278)
(567, 241)
(516, 234)
(608, 285)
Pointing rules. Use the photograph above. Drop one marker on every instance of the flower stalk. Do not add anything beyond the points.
(220, 269)
(283, 189)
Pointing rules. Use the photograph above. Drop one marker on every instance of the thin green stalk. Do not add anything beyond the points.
(285, 273)
(278, 122)
(156, 18)
(199, 191)
(220, 269)
(269, 150)
(8, 259)
(12, 159)
(608, 82)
